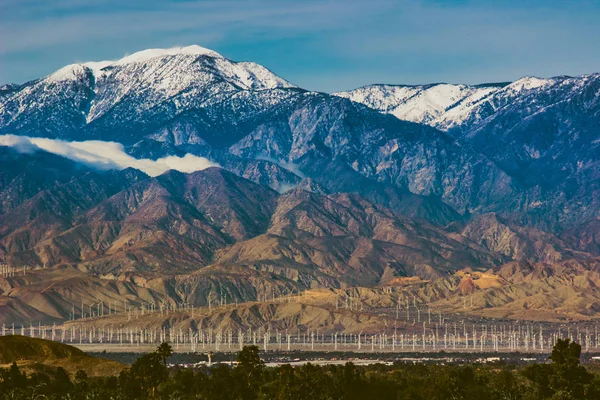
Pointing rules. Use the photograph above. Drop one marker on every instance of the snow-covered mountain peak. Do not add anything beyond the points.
(447, 106)
(148, 54)
(176, 65)
(141, 86)
(172, 70)
(176, 78)
(529, 83)
(418, 103)
(75, 70)
(67, 73)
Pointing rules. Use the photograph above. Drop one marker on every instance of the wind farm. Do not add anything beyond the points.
(357, 320)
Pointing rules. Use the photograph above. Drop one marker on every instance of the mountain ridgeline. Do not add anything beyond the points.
(315, 190)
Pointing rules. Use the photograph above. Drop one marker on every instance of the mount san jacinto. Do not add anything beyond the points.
(170, 176)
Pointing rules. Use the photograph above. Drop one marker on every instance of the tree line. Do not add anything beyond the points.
(149, 377)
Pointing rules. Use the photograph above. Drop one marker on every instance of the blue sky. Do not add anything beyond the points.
(325, 45)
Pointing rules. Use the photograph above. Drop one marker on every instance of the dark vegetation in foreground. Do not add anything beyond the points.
(150, 378)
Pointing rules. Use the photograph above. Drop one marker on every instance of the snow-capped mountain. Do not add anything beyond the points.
(452, 106)
(131, 90)
(542, 130)
(179, 76)
(426, 104)
(446, 150)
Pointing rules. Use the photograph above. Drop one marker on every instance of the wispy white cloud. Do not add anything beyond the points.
(108, 20)
(289, 165)
(105, 155)
(286, 187)
(36, 35)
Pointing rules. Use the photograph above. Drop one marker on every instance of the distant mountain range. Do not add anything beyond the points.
(314, 190)
(543, 133)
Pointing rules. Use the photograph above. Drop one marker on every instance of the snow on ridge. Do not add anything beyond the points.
(70, 71)
(418, 103)
(163, 75)
(248, 75)
(534, 82)
(530, 82)
(148, 54)
(445, 106)
(66, 73)
(258, 72)
(96, 66)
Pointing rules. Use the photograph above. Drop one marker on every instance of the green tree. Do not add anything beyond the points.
(281, 388)
(348, 381)
(248, 373)
(564, 377)
(147, 372)
(540, 375)
(222, 385)
(566, 353)
(569, 376)
(129, 387)
(504, 385)
(62, 383)
(150, 372)
(313, 383)
(164, 351)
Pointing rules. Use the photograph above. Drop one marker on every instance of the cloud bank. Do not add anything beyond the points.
(105, 155)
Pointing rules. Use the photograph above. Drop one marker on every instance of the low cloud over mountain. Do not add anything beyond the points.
(106, 155)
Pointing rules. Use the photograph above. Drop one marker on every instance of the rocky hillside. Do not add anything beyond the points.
(117, 222)
(124, 239)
